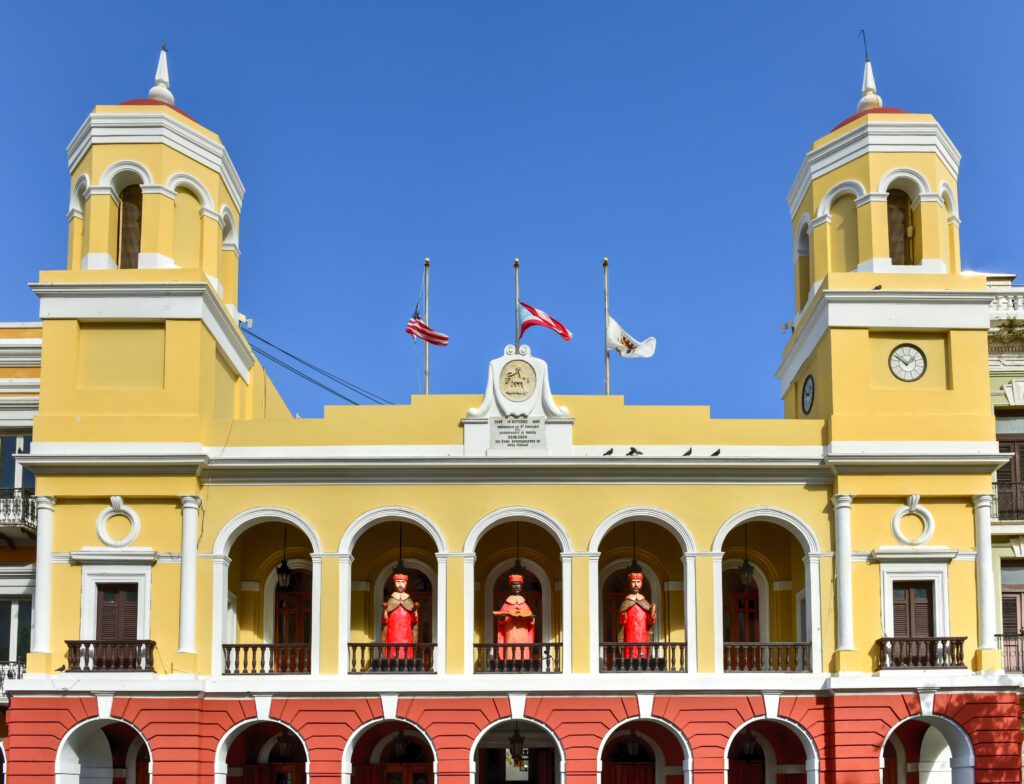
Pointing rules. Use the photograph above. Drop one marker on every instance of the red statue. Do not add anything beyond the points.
(400, 620)
(515, 621)
(636, 616)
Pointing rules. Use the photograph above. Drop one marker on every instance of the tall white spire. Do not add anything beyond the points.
(159, 91)
(869, 98)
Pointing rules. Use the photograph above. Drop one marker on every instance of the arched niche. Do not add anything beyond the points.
(92, 750)
(786, 748)
(671, 749)
(496, 735)
(252, 742)
(374, 743)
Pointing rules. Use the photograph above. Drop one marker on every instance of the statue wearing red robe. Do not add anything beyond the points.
(636, 616)
(515, 621)
(400, 620)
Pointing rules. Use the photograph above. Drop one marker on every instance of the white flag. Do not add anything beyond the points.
(619, 340)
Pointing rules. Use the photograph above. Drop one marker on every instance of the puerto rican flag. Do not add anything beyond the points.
(530, 316)
(418, 328)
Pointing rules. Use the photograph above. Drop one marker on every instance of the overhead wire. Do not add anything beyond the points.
(296, 371)
(337, 379)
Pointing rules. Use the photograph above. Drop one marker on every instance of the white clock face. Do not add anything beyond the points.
(907, 362)
(807, 399)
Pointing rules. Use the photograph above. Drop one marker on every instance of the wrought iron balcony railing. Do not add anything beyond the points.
(383, 657)
(267, 659)
(1012, 646)
(1009, 504)
(17, 507)
(643, 657)
(767, 657)
(517, 658)
(910, 653)
(110, 655)
(10, 670)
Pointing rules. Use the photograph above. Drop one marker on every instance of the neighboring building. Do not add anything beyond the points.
(210, 571)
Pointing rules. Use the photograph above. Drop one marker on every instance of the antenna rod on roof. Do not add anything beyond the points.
(865, 37)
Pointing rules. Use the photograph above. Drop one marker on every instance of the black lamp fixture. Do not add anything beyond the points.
(284, 746)
(748, 743)
(746, 568)
(284, 571)
(401, 744)
(633, 744)
(515, 744)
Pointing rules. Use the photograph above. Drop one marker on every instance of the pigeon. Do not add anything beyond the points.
(633, 451)
(688, 452)
(716, 453)
(61, 668)
(877, 288)
(609, 452)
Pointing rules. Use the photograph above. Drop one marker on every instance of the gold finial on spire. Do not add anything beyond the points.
(870, 99)
(160, 90)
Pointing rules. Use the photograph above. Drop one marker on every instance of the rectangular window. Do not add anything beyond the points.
(7, 444)
(117, 612)
(912, 614)
(15, 629)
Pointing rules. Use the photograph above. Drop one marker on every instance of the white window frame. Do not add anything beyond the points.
(922, 572)
(17, 584)
(109, 566)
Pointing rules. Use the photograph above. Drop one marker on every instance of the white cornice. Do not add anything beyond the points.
(20, 352)
(156, 128)
(886, 309)
(872, 136)
(147, 302)
(19, 386)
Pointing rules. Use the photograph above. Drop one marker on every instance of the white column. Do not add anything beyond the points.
(717, 598)
(441, 614)
(566, 612)
(594, 577)
(690, 605)
(844, 573)
(812, 575)
(316, 600)
(468, 609)
(44, 557)
(344, 608)
(983, 571)
(187, 606)
(220, 611)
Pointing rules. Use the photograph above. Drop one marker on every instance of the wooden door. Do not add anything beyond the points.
(746, 772)
(627, 773)
(741, 620)
(117, 612)
(293, 611)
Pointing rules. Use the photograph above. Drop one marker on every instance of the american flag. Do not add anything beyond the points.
(418, 328)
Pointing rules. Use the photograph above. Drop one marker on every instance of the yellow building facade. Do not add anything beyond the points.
(209, 572)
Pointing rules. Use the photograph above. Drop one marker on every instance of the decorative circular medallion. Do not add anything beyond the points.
(807, 398)
(518, 380)
(907, 362)
(913, 507)
(118, 508)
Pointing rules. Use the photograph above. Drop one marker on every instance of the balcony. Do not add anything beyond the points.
(17, 507)
(1012, 646)
(767, 657)
(916, 653)
(517, 658)
(1009, 506)
(9, 670)
(375, 657)
(110, 655)
(643, 657)
(267, 659)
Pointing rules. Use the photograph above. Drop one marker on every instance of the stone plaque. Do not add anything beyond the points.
(517, 433)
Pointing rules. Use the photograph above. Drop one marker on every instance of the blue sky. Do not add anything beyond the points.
(371, 134)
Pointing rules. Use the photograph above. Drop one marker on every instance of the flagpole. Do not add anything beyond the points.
(607, 361)
(426, 320)
(516, 266)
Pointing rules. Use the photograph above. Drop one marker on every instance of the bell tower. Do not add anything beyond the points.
(889, 336)
(141, 335)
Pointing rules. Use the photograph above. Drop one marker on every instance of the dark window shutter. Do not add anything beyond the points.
(130, 218)
(117, 612)
(900, 612)
(129, 614)
(922, 616)
(106, 613)
(1012, 601)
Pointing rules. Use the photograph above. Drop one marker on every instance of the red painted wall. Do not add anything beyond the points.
(848, 731)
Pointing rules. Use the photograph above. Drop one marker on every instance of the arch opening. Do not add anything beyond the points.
(518, 750)
(771, 751)
(103, 751)
(936, 748)
(392, 752)
(644, 751)
(265, 751)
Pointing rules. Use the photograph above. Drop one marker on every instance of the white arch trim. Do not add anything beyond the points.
(220, 760)
(803, 532)
(350, 744)
(107, 179)
(509, 719)
(803, 224)
(839, 189)
(71, 776)
(230, 227)
(649, 514)
(522, 513)
(919, 181)
(812, 762)
(220, 554)
(386, 514)
(673, 730)
(79, 193)
(962, 761)
(187, 181)
(812, 573)
(949, 197)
